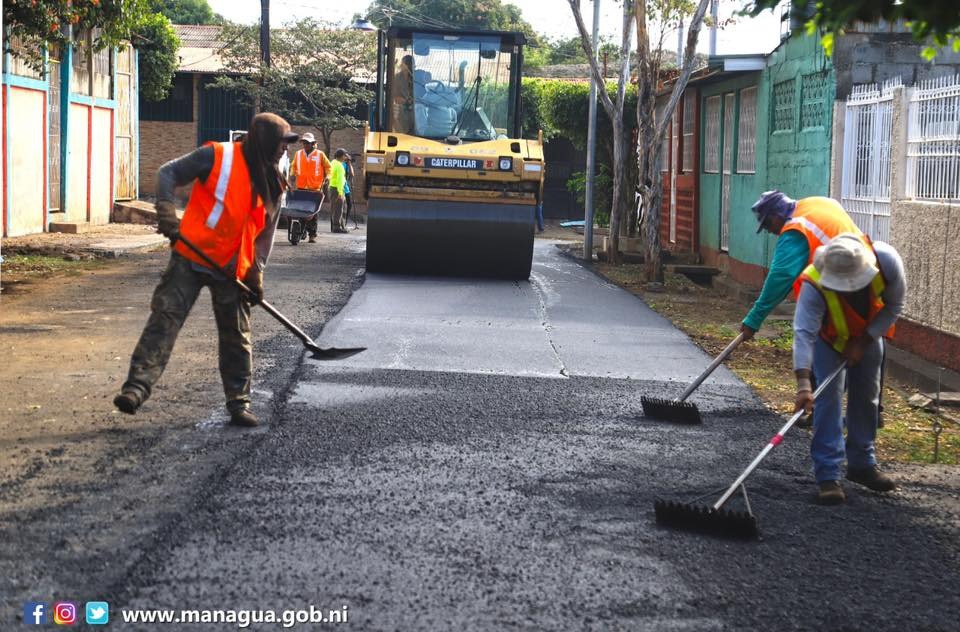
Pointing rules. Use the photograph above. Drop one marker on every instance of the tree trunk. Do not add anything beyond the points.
(327, 136)
(617, 206)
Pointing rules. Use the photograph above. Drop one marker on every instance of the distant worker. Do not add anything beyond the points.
(850, 298)
(347, 197)
(232, 216)
(401, 111)
(803, 226)
(310, 171)
(338, 182)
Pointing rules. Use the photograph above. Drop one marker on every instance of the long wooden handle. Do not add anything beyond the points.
(713, 367)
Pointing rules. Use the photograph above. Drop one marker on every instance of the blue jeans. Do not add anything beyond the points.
(540, 217)
(828, 448)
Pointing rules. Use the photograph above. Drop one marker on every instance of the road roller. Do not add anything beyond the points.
(451, 184)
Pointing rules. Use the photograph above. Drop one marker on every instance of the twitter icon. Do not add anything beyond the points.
(98, 612)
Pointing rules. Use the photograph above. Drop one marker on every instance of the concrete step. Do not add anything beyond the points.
(133, 212)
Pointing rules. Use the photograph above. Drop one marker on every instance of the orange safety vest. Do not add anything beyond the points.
(842, 321)
(819, 220)
(310, 170)
(221, 218)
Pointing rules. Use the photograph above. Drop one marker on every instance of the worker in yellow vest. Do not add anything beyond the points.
(850, 299)
(803, 226)
(231, 216)
(310, 172)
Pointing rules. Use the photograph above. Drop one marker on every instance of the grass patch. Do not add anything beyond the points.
(40, 265)
(712, 320)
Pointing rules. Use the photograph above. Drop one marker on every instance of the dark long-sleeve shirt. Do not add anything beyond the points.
(197, 165)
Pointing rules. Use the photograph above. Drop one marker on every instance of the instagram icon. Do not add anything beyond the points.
(64, 613)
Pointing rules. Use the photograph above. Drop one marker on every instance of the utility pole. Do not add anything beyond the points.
(265, 32)
(591, 145)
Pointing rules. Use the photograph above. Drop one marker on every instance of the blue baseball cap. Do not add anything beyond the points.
(773, 204)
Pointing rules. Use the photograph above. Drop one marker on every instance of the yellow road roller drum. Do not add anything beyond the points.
(452, 188)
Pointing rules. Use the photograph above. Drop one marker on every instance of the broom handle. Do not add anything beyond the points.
(710, 369)
(296, 331)
(775, 441)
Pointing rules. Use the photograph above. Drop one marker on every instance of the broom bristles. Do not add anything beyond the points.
(670, 410)
(706, 520)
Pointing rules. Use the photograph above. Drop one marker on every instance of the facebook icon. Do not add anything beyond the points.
(35, 613)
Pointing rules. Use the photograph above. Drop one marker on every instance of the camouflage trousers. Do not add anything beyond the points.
(178, 290)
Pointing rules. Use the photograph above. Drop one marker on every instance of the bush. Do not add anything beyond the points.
(602, 191)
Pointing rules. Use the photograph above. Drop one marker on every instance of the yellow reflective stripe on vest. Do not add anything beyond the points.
(834, 309)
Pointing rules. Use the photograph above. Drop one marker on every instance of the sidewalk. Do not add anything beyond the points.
(104, 242)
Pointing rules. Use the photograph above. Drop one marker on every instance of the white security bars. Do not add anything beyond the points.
(933, 140)
(868, 128)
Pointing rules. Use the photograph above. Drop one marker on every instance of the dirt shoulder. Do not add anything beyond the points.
(711, 318)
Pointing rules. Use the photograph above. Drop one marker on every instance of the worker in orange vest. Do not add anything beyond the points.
(850, 298)
(310, 172)
(231, 215)
(803, 226)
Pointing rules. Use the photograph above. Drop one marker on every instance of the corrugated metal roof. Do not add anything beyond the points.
(197, 36)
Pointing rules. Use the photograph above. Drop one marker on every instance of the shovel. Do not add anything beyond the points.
(715, 519)
(679, 410)
(317, 352)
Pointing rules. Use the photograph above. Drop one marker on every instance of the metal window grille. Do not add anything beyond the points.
(813, 104)
(933, 140)
(747, 132)
(689, 124)
(868, 129)
(728, 102)
(711, 139)
(784, 96)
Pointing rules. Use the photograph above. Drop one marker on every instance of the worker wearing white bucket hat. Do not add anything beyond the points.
(850, 299)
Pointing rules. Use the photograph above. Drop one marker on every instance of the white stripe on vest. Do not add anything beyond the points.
(813, 228)
(225, 166)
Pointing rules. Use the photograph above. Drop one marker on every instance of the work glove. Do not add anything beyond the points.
(747, 332)
(254, 281)
(804, 398)
(167, 221)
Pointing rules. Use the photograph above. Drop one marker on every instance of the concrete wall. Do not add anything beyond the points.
(78, 140)
(27, 166)
(798, 159)
(861, 58)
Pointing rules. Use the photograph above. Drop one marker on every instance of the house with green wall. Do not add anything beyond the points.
(770, 129)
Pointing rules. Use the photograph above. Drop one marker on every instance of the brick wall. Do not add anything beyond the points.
(161, 141)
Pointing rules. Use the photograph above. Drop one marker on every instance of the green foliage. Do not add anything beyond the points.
(929, 20)
(38, 24)
(602, 192)
(490, 15)
(186, 11)
(310, 80)
(157, 45)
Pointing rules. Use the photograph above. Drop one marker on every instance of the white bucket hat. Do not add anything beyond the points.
(308, 137)
(846, 264)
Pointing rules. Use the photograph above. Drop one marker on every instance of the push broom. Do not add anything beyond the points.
(716, 520)
(680, 410)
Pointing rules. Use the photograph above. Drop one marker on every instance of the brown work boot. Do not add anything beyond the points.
(128, 401)
(313, 239)
(871, 478)
(831, 493)
(243, 417)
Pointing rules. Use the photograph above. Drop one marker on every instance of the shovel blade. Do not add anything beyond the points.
(670, 410)
(332, 353)
(707, 520)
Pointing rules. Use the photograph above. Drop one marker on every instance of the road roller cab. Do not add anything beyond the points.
(452, 187)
